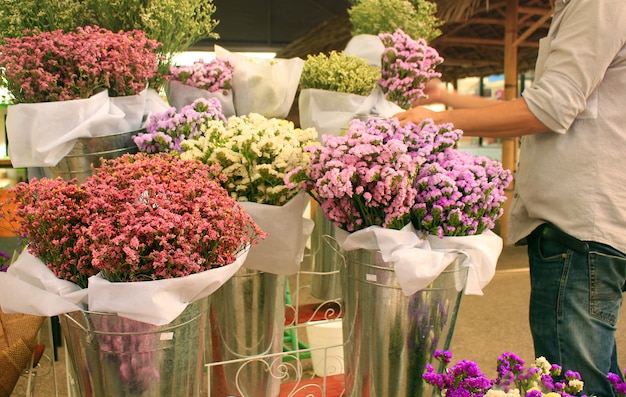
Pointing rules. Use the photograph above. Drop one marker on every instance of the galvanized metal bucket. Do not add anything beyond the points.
(88, 152)
(116, 356)
(325, 261)
(390, 337)
(247, 320)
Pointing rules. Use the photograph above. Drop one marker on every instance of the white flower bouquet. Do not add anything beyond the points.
(253, 155)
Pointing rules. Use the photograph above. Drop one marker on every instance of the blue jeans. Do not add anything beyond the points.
(575, 301)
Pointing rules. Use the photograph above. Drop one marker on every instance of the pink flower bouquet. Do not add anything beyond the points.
(367, 185)
(58, 66)
(85, 83)
(202, 79)
(407, 65)
(139, 218)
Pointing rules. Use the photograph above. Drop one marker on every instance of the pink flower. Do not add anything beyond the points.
(139, 217)
(407, 65)
(58, 66)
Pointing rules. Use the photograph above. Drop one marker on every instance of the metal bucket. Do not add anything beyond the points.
(115, 356)
(325, 261)
(247, 320)
(87, 153)
(390, 337)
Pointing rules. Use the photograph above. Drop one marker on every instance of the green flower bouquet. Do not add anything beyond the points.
(335, 88)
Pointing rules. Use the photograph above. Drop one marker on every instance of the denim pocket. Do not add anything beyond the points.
(606, 277)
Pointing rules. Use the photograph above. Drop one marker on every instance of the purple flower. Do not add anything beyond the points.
(165, 131)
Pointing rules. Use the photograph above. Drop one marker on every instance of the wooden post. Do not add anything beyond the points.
(509, 145)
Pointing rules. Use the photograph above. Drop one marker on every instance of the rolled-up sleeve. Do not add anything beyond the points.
(573, 60)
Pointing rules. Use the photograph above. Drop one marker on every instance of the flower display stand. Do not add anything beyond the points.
(292, 368)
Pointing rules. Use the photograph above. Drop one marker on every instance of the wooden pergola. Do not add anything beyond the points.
(479, 38)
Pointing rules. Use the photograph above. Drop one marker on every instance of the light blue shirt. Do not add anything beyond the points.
(575, 176)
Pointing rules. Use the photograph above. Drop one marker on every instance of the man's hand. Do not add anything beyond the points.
(434, 88)
(415, 115)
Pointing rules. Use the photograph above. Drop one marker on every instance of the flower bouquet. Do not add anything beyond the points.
(166, 131)
(253, 154)
(202, 80)
(407, 65)
(264, 86)
(369, 183)
(541, 378)
(366, 182)
(140, 226)
(129, 258)
(83, 83)
(334, 89)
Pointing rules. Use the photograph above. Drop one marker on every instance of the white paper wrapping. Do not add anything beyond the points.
(30, 287)
(366, 46)
(287, 234)
(41, 134)
(418, 262)
(330, 112)
(180, 95)
(264, 86)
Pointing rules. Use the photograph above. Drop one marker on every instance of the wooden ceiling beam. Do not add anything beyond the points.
(474, 41)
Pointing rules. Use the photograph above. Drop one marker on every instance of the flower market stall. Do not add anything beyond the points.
(205, 252)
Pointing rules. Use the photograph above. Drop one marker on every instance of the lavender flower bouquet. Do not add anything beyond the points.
(541, 378)
(367, 184)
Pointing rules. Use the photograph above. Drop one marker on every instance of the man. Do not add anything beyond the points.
(570, 198)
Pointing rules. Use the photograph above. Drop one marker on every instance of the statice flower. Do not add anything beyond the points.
(254, 154)
(422, 140)
(139, 217)
(458, 194)
(165, 131)
(361, 179)
(618, 384)
(407, 65)
(61, 66)
(213, 76)
(4, 261)
(540, 379)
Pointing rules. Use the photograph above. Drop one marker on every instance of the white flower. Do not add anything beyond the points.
(255, 153)
(502, 393)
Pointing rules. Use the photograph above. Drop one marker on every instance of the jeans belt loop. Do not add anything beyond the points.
(550, 232)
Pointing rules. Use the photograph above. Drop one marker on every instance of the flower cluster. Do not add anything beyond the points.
(339, 72)
(4, 261)
(360, 182)
(58, 66)
(618, 384)
(139, 217)
(415, 17)
(407, 65)
(362, 178)
(211, 76)
(165, 131)
(253, 154)
(513, 379)
(459, 194)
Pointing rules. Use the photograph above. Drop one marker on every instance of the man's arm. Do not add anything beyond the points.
(475, 115)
